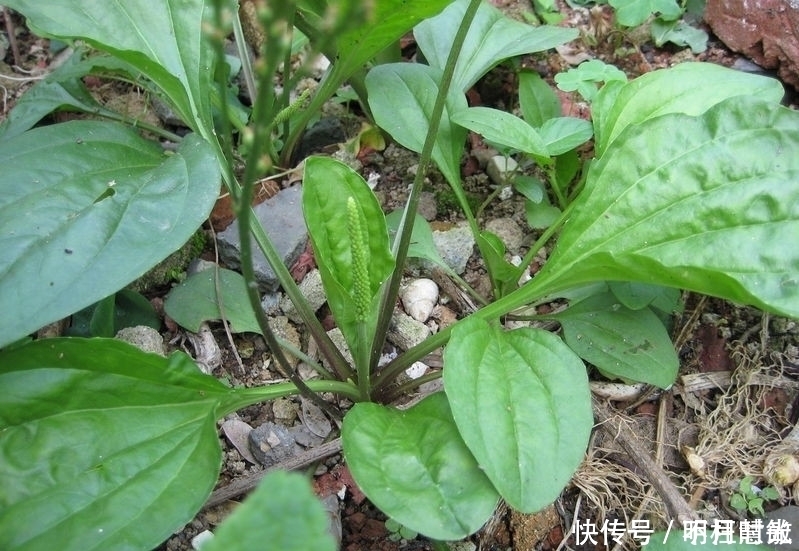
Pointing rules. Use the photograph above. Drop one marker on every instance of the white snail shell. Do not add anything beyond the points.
(419, 297)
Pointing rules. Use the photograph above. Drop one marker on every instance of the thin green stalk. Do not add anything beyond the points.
(244, 56)
(546, 235)
(255, 395)
(553, 178)
(394, 392)
(405, 230)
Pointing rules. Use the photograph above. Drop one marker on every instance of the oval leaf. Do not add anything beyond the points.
(296, 520)
(195, 300)
(103, 195)
(492, 37)
(522, 404)
(689, 88)
(104, 446)
(562, 134)
(402, 96)
(632, 345)
(712, 209)
(502, 128)
(414, 465)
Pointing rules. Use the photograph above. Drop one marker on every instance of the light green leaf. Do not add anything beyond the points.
(195, 300)
(502, 128)
(102, 209)
(504, 275)
(537, 100)
(632, 13)
(415, 467)
(282, 511)
(522, 404)
(679, 33)
(327, 186)
(690, 88)
(711, 209)
(401, 96)
(541, 215)
(104, 446)
(562, 134)
(529, 186)
(584, 78)
(492, 37)
(163, 39)
(622, 343)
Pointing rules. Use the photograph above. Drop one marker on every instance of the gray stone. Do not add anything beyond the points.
(270, 303)
(144, 338)
(271, 444)
(455, 246)
(501, 169)
(328, 131)
(313, 291)
(281, 218)
(428, 208)
(765, 30)
(508, 232)
(406, 332)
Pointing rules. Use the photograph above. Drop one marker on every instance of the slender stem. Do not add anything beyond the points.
(248, 396)
(405, 229)
(394, 392)
(244, 55)
(546, 235)
(553, 179)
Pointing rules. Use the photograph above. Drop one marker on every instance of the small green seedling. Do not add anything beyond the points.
(397, 531)
(750, 497)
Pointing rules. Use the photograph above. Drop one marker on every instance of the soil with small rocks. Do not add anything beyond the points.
(712, 336)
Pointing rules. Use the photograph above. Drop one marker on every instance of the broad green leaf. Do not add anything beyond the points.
(492, 38)
(86, 208)
(713, 208)
(283, 513)
(126, 308)
(632, 13)
(522, 404)
(164, 39)
(415, 467)
(502, 128)
(401, 96)
(104, 446)
(562, 134)
(689, 88)
(195, 300)
(537, 100)
(679, 33)
(622, 343)
(327, 186)
(541, 215)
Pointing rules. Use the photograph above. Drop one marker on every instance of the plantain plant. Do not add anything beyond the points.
(104, 447)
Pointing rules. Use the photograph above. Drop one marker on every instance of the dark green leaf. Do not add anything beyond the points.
(402, 96)
(504, 275)
(541, 215)
(104, 208)
(636, 295)
(132, 309)
(690, 88)
(104, 446)
(711, 209)
(164, 40)
(492, 37)
(282, 511)
(529, 186)
(632, 345)
(414, 465)
(196, 300)
(522, 404)
(538, 101)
